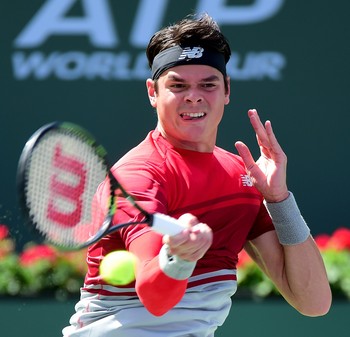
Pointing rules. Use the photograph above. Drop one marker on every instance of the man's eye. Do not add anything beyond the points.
(177, 85)
(208, 85)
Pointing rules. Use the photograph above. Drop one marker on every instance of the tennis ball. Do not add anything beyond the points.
(118, 267)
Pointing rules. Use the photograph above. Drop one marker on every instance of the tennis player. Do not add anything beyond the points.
(227, 202)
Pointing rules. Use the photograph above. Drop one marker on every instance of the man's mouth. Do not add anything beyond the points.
(192, 115)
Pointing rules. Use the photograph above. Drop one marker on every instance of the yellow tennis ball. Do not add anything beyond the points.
(118, 267)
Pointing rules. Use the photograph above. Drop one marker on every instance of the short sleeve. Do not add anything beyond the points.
(262, 224)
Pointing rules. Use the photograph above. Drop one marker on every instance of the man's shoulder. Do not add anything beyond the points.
(146, 156)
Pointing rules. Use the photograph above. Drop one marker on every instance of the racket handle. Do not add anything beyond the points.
(165, 224)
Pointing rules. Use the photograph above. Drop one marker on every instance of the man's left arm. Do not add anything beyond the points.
(297, 271)
(288, 255)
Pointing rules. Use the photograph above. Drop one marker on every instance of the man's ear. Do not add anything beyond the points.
(228, 91)
(152, 95)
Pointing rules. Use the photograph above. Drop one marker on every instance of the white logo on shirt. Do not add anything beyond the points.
(246, 181)
(191, 53)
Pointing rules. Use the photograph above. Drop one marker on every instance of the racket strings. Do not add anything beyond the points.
(63, 175)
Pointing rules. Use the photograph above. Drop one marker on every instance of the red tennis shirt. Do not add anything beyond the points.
(212, 186)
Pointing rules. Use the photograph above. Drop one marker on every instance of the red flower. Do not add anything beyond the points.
(322, 241)
(76, 259)
(37, 253)
(3, 231)
(243, 258)
(340, 239)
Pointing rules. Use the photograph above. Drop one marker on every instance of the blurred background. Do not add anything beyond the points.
(83, 61)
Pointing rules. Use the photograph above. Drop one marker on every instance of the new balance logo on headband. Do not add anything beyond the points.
(177, 56)
(191, 53)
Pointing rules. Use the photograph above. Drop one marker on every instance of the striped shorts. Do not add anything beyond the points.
(201, 311)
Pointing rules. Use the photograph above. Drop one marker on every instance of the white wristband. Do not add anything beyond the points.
(173, 266)
(290, 226)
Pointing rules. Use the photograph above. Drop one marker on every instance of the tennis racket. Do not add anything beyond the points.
(59, 171)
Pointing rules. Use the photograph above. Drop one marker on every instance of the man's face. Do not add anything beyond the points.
(190, 104)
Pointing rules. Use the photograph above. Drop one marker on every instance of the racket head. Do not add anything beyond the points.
(59, 171)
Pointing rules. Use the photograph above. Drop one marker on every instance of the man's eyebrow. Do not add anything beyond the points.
(211, 78)
(175, 78)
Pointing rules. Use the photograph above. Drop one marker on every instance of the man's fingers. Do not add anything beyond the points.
(245, 154)
(188, 220)
(193, 242)
(263, 132)
(272, 137)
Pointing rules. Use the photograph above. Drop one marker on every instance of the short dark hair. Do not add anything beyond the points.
(202, 30)
(191, 31)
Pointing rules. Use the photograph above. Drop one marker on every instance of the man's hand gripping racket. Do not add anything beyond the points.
(59, 171)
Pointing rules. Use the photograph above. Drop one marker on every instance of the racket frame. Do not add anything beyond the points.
(161, 223)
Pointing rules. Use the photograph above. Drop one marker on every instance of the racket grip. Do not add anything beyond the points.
(165, 224)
